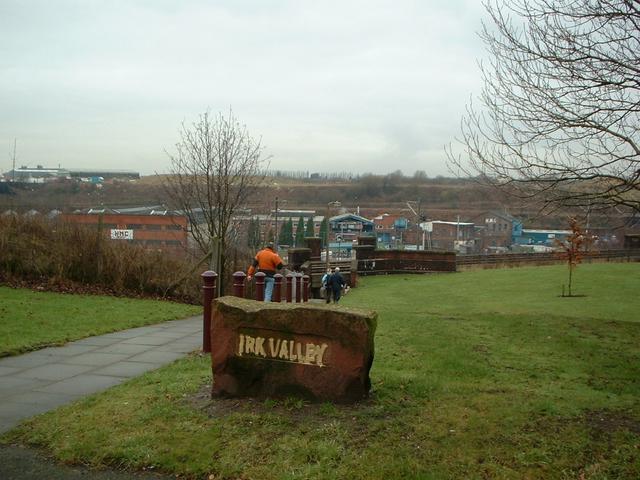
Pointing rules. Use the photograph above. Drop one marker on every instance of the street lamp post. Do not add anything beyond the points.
(275, 238)
(329, 205)
(340, 237)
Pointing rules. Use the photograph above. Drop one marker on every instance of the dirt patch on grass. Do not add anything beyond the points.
(294, 408)
(600, 423)
(607, 422)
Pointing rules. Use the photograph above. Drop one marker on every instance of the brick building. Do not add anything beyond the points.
(155, 228)
(497, 231)
(450, 236)
(390, 230)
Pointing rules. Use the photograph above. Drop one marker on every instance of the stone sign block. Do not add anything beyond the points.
(279, 350)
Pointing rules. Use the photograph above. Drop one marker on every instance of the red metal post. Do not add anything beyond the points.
(289, 278)
(305, 288)
(260, 286)
(209, 288)
(238, 284)
(277, 288)
(298, 287)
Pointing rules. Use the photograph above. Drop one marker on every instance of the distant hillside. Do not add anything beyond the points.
(440, 198)
(70, 195)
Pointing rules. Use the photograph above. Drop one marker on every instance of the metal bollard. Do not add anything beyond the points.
(277, 288)
(289, 278)
(209, 288)
(238, 284)
(305, 288)
(260, 286)
(298, 287)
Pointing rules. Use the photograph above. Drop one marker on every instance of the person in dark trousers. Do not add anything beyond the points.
(268, 262)
(325, 285)
(335, 284)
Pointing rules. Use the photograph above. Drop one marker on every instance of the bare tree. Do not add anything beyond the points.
(560, 107)
(216, 165)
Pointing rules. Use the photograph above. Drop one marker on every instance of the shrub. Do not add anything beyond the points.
(38, 250)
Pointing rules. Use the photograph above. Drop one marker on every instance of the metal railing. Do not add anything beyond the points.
(296, 290)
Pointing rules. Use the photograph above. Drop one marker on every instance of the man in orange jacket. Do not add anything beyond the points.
(266, 261)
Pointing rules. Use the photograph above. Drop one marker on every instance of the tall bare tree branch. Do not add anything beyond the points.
(559, 113)
(214, 169)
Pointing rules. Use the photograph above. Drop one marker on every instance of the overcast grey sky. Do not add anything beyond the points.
(361, 86)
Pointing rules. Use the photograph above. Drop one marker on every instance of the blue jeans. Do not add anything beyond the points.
(268, 288)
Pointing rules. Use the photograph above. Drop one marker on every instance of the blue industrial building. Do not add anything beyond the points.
(548, 238)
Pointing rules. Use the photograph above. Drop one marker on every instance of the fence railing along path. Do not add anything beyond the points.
(542, 258)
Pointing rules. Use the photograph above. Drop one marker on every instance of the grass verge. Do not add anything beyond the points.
(484, 374)
(30, 320)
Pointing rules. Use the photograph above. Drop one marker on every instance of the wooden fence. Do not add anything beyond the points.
(464, 262)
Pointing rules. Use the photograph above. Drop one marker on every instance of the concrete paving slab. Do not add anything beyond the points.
(67, 350)
(135, 332)
(127, 369)
(27, 360)
(54, 371)
(193, 338)
(96, 359)
(147, 340)
(186, 327)
(52, 400)
(128, 349)
(11, 385)
(96, 341)
(180, 347)
(171, 334)
(20, 410)
(43, 380)
(188, 333)
(84, 384)
(155, 356)
(8, 370)
(124, 334)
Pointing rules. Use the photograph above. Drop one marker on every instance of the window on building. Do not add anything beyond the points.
(153, 226)
(174, 227)
(134, 226)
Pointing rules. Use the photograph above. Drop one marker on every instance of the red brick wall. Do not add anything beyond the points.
(153, 231)
(384, 261)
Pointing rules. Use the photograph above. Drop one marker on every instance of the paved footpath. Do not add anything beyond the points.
(39, 381)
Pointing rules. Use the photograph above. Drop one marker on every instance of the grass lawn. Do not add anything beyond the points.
(481, 374)
(30, 320)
